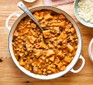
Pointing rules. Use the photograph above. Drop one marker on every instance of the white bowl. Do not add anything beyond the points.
(88, 24)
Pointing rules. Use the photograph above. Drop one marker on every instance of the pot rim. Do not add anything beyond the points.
(56, 75)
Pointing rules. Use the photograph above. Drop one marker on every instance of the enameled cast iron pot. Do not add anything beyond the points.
(52, 76)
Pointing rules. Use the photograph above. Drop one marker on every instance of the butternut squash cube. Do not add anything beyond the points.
(47, 34)
(60, 65)
(33, 25)
(70, 47)
(51, 58)
(56, 29)
(67, 59)
(48, 17)
(59, 54)
(32, 39)
(42, 45)
(49, 52)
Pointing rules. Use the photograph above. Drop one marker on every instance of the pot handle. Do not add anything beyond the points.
(9, 17)
(83, 63)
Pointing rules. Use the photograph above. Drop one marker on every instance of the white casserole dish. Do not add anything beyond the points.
(52, 76)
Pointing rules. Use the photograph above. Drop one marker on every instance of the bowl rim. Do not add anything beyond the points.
(87, 24)
(90, 50)
(30, 1)
(56, 75)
